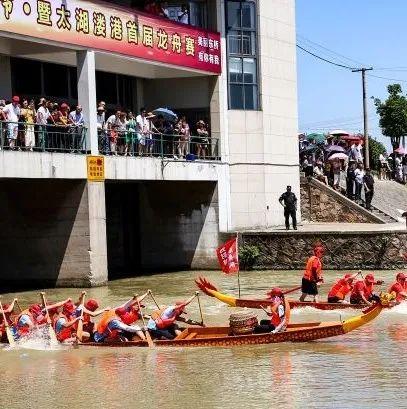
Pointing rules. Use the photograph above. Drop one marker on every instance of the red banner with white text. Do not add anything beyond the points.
(228, 257)
(100, 26)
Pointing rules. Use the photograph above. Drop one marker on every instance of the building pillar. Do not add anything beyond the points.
(5, 77)
(85, 61)
(97, 234)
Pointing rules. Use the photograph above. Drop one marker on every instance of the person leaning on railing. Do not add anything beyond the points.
(131, 126)
(76, 121)
(43, 116)
(202, 140)
(28, 114)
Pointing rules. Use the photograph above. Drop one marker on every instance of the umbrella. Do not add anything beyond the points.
(317, 137)
(166, 113)
(338, 132)
(334, 148)
(400, 151)
(310, 148)
(339, 155)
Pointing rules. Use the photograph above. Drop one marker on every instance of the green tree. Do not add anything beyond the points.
(375, 149)
(393, 114)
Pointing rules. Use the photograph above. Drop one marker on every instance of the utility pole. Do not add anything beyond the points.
(365, 124)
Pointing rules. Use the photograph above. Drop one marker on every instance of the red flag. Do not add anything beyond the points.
(228, 257)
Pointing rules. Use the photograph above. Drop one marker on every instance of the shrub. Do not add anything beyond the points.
(248, 256)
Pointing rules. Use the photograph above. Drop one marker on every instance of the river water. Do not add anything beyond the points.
(363, 369)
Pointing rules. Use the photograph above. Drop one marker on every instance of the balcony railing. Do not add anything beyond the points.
(158, 145)
(43, 138)
(72, 139)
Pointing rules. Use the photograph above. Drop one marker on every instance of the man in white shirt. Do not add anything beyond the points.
(77, 121)
(183, 16)
(12, 113)
(43, 115)
(359, 176)
(142, 129)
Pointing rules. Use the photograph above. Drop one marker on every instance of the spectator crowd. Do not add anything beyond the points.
(160, 8)
(47, 125)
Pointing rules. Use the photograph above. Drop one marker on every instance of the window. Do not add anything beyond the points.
(242, 55)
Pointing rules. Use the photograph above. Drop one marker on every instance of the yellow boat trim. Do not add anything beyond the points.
(227, 299)
(356, 322)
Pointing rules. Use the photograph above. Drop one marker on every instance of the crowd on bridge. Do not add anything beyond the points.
(46, 125)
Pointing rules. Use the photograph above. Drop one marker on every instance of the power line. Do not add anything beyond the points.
(386, 78)
(324, 59)
(329, 50)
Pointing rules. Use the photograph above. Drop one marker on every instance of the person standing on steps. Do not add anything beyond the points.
(368, 183)
(289, 201)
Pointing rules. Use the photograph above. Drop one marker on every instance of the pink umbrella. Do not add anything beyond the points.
(400, 151)
(339, 155)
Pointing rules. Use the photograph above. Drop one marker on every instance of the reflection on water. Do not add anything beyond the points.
(362, 369)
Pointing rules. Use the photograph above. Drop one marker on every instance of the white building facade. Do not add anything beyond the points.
(233, 66)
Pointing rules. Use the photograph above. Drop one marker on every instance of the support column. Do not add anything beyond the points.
(97, 234)
(85, 61)
(5, 77)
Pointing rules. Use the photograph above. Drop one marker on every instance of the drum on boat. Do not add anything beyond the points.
(241, 323)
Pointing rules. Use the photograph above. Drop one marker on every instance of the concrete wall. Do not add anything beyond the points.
(262, 146)
(44, 233)
(379, 250)
(155, 226)
(176, 93)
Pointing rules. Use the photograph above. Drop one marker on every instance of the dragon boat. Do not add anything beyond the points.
(209, 289)
(222, 336)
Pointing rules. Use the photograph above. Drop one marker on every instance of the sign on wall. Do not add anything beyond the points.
(114, 29)
(96, 168)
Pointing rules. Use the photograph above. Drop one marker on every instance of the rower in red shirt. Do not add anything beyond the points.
(363, 290)
(341, 288)
(399, 287)
(313, 275)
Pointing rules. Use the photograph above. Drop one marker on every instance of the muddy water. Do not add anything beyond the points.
(364, 369)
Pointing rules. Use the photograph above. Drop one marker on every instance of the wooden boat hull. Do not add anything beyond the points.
(220, 337)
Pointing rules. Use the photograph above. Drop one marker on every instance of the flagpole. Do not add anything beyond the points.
(237, 255)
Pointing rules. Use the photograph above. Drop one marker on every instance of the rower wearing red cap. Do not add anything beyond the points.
(363, 290)
(278, 313)
(118, 323)
(341, 288)
(162, 322)
(34, 316)
(399, 287)
(64, 323)
(313, 275)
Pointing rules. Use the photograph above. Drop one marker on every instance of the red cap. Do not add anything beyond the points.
(370, 278)
(276, 292)
(15, 98)
(91, 305)
(121, 311)
(68, 308)
(401, 276)
(35, 309)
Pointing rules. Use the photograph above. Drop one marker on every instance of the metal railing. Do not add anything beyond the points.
(42, 138)
(129, 143)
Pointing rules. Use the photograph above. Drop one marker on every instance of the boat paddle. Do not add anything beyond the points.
(79, 331)
(51, 331)
(292, 290)
(9, 334)
(148, 336)
(200, 308)
(152, 297)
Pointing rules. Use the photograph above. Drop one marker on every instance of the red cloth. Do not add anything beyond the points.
(398, 288)
(361, 288)
(228, 257)
(340, 289)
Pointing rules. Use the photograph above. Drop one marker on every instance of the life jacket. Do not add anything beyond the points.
(102, 325)
(64, 333)
(340, 289)
(367, 290)
(160, 321)
(398, 288)
(308, 274)
(275, 318)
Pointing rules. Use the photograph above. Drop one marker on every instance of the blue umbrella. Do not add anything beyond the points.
(166, 113)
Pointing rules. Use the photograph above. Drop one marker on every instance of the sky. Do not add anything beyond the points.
(370, 33)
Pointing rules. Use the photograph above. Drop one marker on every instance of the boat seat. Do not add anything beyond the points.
(191, 335)
(183, 334)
